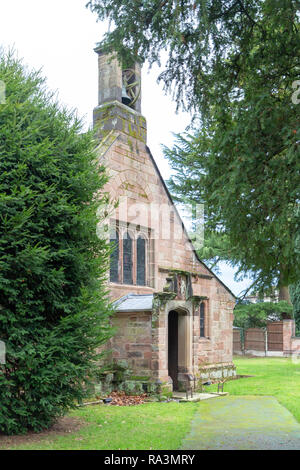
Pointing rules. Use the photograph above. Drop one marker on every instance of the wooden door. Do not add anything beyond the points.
(173, 348)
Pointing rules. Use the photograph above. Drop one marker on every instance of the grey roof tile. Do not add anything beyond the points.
(134, 303)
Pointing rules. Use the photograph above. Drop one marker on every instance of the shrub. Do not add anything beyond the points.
(54, 309)
(257, 315)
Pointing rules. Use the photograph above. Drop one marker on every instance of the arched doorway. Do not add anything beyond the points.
(179, 346)
(173, 347)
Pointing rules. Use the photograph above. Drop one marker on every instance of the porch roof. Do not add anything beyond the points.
(134, 303)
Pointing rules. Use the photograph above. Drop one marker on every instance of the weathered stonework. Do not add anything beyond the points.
(176, 278)
(119, 117)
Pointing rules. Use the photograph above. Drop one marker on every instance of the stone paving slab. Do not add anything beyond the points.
(181, 396)
(243, 423)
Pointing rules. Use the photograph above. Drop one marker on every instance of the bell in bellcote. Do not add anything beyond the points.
(125, 98)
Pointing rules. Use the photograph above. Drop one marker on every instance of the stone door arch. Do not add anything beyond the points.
(179, 346)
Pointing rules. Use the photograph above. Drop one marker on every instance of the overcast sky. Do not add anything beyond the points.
(59, 36)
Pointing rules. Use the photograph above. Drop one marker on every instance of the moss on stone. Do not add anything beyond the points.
(139, 378)
(130, 145)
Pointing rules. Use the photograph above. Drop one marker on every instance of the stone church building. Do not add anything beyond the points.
(173, 315)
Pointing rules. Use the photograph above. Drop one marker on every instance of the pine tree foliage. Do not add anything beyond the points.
(211, 44)
(251, 195)
(54, 308)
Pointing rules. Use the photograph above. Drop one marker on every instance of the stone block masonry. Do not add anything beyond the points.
(198, 341)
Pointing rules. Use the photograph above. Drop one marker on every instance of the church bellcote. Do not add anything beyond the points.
(119, 98)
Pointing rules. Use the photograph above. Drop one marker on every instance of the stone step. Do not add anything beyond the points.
(181, 396)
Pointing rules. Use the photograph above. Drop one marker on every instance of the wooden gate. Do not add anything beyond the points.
(275, 336)
(255, 339)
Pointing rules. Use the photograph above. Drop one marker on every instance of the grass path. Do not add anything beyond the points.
(243, 423)
(277, 377)
(257, 421)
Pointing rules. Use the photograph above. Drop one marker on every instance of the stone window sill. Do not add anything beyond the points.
(132, 286)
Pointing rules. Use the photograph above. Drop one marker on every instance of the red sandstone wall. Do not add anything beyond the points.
(217, 346)
(288, 333)
(132, 341)
(133, 175)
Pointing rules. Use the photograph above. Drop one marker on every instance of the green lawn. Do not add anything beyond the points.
(161, 426)
(144, 427)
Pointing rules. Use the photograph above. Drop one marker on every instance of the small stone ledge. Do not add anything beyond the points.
(216, 371)
(181, 396)
(185, 273)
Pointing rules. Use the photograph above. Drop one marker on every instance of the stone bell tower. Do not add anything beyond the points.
(119, 98)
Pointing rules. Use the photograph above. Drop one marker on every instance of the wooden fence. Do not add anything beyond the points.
(255, 339)
(277, 338)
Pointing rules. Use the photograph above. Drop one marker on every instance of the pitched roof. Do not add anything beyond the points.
(183, 226)
(134, 303)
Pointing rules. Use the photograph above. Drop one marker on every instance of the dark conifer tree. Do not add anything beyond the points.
(54, 307)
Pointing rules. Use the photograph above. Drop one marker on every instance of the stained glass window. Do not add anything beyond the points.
(141, 262)
(114, 257)
(202, 320)
(127, 259)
